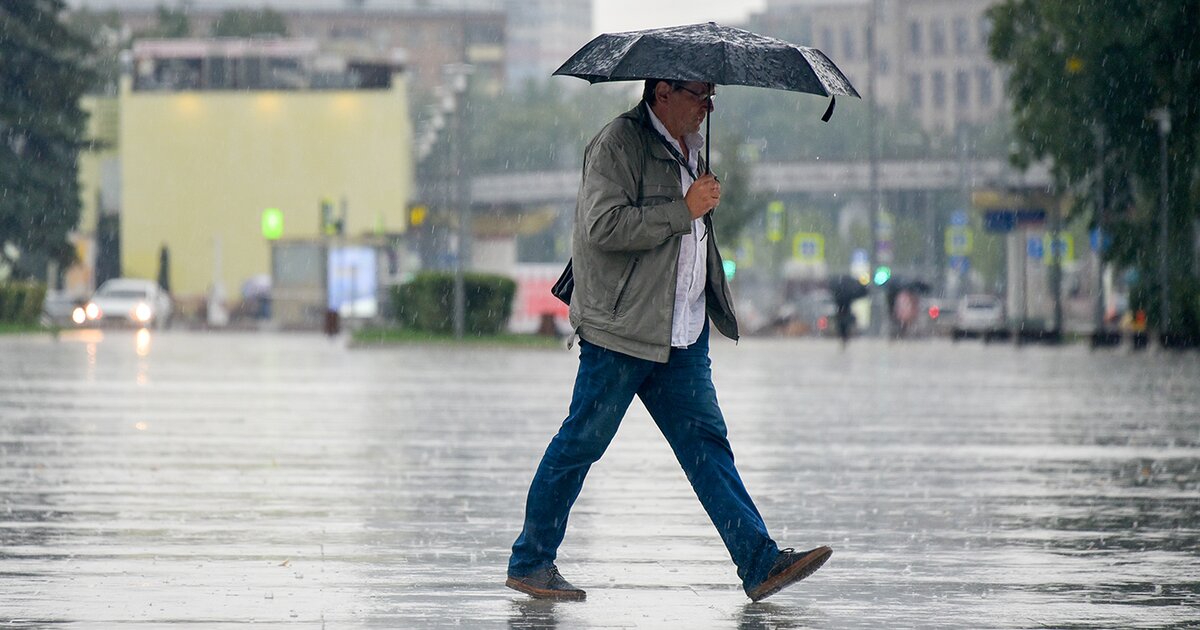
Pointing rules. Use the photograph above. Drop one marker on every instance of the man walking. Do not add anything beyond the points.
(648, 278)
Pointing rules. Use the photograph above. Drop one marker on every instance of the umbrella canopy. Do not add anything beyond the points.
(845, 289)
(709, 53)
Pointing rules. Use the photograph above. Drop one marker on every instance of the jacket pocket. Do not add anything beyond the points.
(655, 195)
(633, 262)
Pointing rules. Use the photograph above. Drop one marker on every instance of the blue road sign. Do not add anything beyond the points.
(1034, 248)
(958, 217)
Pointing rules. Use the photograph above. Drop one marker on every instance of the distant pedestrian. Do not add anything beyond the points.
(844, 320)
(904, 312)
(648, 277)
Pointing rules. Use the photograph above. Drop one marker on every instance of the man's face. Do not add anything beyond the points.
(683, 108)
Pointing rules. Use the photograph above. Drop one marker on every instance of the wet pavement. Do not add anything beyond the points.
(219, 480)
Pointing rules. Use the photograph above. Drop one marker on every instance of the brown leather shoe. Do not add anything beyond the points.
(790, 567)
(546, 584)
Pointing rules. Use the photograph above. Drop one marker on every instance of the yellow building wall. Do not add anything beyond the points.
(202, 166)
(102, 145)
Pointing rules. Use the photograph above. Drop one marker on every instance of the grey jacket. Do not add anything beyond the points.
(628, 221)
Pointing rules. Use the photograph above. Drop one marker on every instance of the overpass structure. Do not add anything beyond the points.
(788, 178)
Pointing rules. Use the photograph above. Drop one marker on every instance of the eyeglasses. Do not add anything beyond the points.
(703, 97)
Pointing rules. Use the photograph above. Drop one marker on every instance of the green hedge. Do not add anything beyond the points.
(427, 302)
(21, 302)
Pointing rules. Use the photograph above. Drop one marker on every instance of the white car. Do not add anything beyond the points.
(979, 315)
(126, 301)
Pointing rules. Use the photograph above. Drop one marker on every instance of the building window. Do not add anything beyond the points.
(848, 43)
(914, 36)
(962, 35)
(962, 89)
(939, 89)
(985, 31)
(937, 37)
(915, 98)
(985, 87)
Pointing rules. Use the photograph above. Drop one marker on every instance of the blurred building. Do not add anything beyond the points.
(508, 41)
(932, 55)
(424, 37)
(212, 133)
(542, 34)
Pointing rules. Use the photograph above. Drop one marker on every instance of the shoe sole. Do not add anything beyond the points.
(799, 570)
(544, 593)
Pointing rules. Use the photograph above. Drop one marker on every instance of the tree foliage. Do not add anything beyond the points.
(171, 24)
(1085, 79)
(103, 30)
(43, 74)
(539, 127)
(250, 23)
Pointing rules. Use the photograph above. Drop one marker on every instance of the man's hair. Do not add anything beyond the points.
(648, 91)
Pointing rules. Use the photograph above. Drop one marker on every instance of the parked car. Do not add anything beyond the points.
(935, 318)
(817, 310)
(126, 301)
(979, 315)
(58, 307)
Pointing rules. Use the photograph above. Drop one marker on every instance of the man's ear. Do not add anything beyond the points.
(661, 90)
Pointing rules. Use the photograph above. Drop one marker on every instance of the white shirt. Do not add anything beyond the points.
(691, 271)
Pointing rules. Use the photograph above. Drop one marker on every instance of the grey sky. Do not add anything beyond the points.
(627, 15)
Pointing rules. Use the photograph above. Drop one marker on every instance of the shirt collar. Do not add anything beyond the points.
(695, 141)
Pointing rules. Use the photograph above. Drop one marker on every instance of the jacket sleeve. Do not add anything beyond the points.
(608, 198)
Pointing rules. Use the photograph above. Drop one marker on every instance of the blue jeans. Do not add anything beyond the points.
(680, 396)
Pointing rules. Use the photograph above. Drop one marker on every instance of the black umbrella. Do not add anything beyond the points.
(845, 289)
(709, 53)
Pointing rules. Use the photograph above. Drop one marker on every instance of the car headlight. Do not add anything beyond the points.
(142, 313)
(92, 311)
(78, 315)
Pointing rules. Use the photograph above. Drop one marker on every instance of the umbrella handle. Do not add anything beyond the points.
(708, 146)
(708, 142)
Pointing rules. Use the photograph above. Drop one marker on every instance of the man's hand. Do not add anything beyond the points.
(703, 195)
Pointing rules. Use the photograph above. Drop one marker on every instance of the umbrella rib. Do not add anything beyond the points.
(726, 71)
(626, 56)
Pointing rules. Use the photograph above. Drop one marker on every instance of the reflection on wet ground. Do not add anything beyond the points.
(227, 479)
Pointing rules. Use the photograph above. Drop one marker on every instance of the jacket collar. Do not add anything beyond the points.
(641, 115)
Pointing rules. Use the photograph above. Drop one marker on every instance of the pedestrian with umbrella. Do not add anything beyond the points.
(645, 279)
(845, 289)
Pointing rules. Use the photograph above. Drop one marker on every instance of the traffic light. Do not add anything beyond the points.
(272, 224)
(730, 267)
(417, 215)
(883, 273)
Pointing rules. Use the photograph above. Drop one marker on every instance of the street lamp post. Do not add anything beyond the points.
(456, 75)
(877, 254)
(1163, 117)
(1100, 335)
